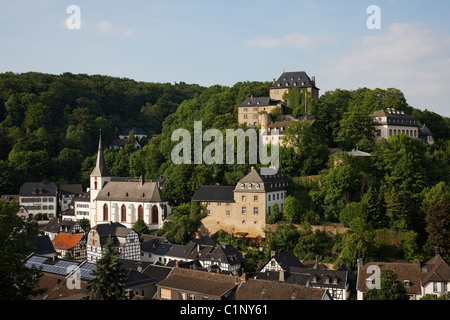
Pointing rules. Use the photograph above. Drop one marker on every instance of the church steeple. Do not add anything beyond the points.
(100, 169)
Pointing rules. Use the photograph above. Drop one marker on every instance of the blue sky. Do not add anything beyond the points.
(224, 42)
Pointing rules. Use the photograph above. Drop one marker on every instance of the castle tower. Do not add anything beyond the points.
(99, 177)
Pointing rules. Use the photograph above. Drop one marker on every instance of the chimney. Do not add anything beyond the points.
(252, 168)
(251, 97)
(281, 278)
(177, 264)
(142, 180)
(360, 262)
(272, 253)
(244, 276)
(273, 80)
(313, 78)
(419, 264)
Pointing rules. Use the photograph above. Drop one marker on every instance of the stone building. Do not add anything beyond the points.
(250, 109)
(242, 209)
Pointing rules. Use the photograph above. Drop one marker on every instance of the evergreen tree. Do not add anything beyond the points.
(109, 276)
(438, 226)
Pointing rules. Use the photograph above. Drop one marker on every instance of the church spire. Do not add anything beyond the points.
(100, 169)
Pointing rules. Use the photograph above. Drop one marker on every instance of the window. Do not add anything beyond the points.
(245, 109)
(435, 288)
(105, 212)
(243, 198)
(227, 212)
(228, 204)
(255, 210)
(123, 213)
(141, 212)
(245, 116)
(255, 198)
(154, 214)
(269, 197)
(244, 210)
(390, 132)
(219, 204)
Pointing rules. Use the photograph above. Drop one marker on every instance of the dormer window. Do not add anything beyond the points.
(314, 279)
(407, 283)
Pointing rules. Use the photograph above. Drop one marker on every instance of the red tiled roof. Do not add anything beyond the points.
(66, 241)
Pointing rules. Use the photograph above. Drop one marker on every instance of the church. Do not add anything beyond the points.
(124, 200)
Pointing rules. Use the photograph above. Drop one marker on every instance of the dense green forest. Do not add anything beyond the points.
(395, 201)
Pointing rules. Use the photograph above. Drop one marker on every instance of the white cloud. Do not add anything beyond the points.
(296, 40)
(106, 27)
(410, 57)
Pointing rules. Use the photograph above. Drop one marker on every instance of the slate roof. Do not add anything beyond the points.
(113, 229)
(71, 189)
(205, 249)
(214, 194)
(38, 189)
(42, 245)
(394, 117)
(287, 260)
(253, 289)
(100, 169)
(56, 225)
(85, 197)
(293, 79)
(258, 102)
(262, 183)
(425, 131)
(131, 191)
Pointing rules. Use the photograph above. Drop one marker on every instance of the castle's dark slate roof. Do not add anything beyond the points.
(214, 194)
(296, 79)
(257, 182)
(38, 189)
(258, 102)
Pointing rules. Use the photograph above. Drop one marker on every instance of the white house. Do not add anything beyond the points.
(419, 279)
(125, 240)
(39, 197)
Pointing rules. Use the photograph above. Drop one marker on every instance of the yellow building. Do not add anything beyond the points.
(242, 209)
